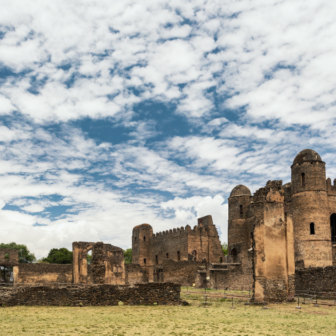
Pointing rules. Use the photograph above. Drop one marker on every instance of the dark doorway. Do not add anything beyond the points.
(333, 227)
(234, 255)
(312, 228)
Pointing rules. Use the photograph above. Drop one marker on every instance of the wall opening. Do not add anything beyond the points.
(221, 259)
(241, 209)
(234, 255)
(89, 257)
(167, 255)
(194, 253)
(312, 228)
(333, 227)
(156, 260)
(303, 179)
(134, 239)
(145, 261)
(144, 238)
(178, 256)
(7, 255)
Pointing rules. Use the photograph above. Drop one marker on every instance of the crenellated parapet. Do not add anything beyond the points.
(331, 189)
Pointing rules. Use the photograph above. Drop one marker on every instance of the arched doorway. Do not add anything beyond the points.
(234, 255)
(333, 227)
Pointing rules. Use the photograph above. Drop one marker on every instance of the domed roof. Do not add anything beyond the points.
(307, 155)
(143, 226)
(240, 190)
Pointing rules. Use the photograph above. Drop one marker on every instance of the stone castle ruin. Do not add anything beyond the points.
(281, 239)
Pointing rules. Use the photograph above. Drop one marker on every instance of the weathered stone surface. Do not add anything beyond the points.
(92, 295)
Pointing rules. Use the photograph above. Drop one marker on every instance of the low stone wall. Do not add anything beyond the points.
(319, 279)
(91, 295)
(43, 273)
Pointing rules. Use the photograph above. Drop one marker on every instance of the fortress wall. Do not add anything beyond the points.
(318, 279)
(43, 273)
(180, 272)
(135, 274)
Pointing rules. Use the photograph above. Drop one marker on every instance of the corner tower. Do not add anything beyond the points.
(238, 227)
(141, 243)
(312, 243)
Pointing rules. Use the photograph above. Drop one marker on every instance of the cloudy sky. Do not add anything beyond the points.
(118, 113)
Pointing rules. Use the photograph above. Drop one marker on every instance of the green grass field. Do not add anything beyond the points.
(217, 319)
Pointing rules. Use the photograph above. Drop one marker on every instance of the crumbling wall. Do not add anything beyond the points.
(95, 295)
(318, 279)
(43, 273)
(9, 257)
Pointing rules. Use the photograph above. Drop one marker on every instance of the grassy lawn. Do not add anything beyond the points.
(217, 319)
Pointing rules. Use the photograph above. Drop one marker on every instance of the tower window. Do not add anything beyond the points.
(134, 239)
(221, 259)
(312, 228)
(241, 210)
(303, 179)
(333, 227)
(178, 256)
(156, 260)
(167, 255)
(144, 238)
(145, 261)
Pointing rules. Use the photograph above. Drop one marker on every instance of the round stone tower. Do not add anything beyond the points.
(141, 243)
(312, 240)
(238, 232)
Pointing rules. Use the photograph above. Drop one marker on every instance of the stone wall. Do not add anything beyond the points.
(43, 273)
(9, 257)
(92, 295)
(318, 279)
(135, 274)
(179, 272)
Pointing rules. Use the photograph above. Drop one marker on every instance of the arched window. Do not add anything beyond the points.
(178, 256)
(312, 228)
(303, 179)
(241, 210)
(144, 238)
(145, 261)
(167, 255)
(156, 260)
(333, 227)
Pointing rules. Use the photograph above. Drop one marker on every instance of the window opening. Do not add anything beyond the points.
(89, 257)
(221, 259)
(144, 238)
(178, 256)
(145, 261)
(156, 260)
(6, 255)
(135, 239)
(333, 227)
(303, 179)
(241, 210)
(167, 255)
(312, 228)
(234, 255)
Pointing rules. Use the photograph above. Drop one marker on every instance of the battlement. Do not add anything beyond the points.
(331, 189)
(196, 230)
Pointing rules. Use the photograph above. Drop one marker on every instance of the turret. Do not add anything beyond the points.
(310, 211)
(141, 242)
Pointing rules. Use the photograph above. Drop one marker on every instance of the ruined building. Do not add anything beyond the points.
(283, 227)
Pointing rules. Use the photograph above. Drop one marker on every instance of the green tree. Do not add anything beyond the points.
(59, 256)
(128, 256)
(225, 248)
(25, 256)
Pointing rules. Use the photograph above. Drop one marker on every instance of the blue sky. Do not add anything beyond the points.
(116, 114)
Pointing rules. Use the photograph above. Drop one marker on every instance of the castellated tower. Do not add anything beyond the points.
(309, 203)
(239, 230)
(141, 243)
